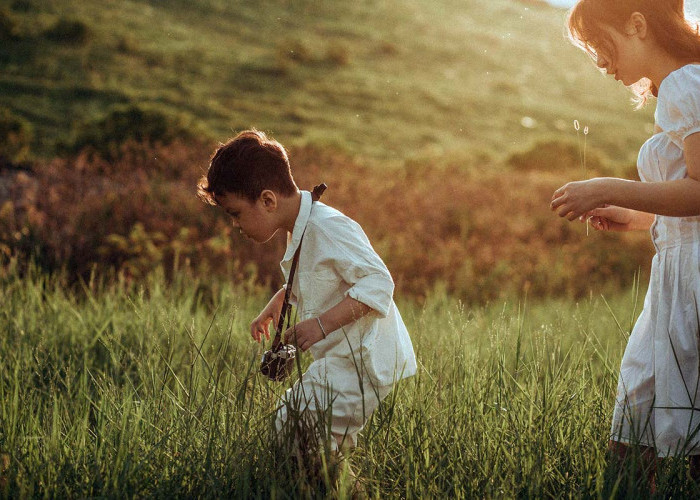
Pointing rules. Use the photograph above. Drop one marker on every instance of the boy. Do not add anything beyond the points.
(342, 289)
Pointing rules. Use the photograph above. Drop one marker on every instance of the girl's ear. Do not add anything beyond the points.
(269, 199)
(637, 25)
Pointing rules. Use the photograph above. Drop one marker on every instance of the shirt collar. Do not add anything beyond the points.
(294, 239)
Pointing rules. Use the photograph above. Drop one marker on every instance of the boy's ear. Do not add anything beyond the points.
(269, 199)
(636, 25)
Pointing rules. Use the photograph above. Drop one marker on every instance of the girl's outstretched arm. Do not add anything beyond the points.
(679, 198)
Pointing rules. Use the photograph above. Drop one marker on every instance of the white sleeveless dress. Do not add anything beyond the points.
(658, 394)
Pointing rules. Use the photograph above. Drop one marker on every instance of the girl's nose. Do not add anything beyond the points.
(601, 62)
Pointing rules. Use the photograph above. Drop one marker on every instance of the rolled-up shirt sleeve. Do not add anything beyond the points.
(347, 250)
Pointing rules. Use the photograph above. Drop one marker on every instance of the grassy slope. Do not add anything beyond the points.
(405, 80)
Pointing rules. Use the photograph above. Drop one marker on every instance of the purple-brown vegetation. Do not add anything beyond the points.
(481, 234)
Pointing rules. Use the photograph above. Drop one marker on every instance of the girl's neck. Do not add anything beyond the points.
(662, 66)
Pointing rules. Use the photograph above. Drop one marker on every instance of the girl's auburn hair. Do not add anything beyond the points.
(665, 19)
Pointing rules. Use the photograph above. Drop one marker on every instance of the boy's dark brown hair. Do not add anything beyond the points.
(246, 165)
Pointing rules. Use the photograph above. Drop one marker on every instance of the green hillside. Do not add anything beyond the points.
(414, 79)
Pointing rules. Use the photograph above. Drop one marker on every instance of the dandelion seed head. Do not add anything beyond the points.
(576, 125)
(585, 130)
(528, 122)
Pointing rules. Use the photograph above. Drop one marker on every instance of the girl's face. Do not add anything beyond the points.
(627, 63)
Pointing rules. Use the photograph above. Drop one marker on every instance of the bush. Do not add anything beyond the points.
(23, 6)
(106, 136)
(481, 236)
(558, 156)
(68, 31)
(127, 44)
(15, 137)
(8, 26)
(338, 55)
(295, 50)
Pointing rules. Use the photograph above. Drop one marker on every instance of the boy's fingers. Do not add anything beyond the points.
(291, 335)
(256, 331)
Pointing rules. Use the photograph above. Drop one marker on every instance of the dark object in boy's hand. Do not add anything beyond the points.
(278, 362)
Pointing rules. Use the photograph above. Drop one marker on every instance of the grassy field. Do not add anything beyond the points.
(152, 391)
(143, 383)
(410, 81)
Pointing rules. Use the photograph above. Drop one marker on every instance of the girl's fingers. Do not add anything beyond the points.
(600, 223)
(556, 202)
(564, 212)
(558, 192)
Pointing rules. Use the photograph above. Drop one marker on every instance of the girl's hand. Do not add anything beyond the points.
(261, 325)
(574, 199)
(610, 218)
(304, 334)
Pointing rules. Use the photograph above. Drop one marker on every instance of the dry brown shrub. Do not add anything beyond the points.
(480, 234)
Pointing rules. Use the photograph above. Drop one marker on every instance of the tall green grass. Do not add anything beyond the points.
(115, 389)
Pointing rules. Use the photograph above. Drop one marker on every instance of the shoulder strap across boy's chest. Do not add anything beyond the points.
(286, 310)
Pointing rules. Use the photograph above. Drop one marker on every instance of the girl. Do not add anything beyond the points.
(650, 46)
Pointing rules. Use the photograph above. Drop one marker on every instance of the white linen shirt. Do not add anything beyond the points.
(337, 260)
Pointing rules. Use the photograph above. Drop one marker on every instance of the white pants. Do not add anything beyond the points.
(331, 395)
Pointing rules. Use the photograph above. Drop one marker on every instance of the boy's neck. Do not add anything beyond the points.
(289, 207)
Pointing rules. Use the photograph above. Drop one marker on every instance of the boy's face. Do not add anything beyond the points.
(256, 220)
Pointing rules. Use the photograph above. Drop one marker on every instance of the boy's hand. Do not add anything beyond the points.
(261, 325)
(304, 334)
